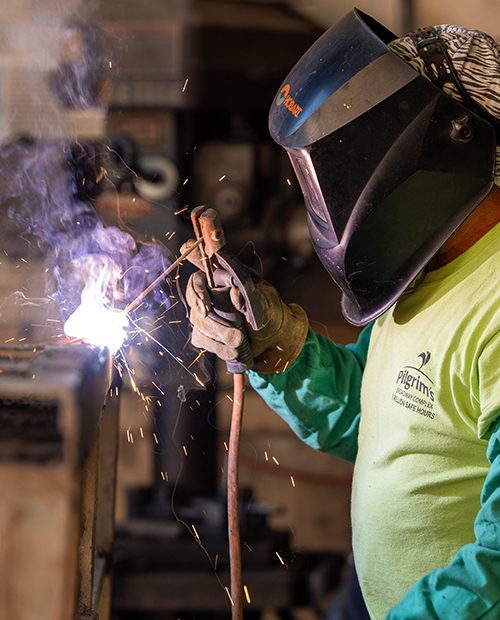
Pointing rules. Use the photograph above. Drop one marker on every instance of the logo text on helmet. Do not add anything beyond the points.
(284, 98)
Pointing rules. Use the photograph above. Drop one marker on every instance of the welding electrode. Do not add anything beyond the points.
(132, 305)
(207, 227)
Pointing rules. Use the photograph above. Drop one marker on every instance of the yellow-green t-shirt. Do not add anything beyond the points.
(430, 391)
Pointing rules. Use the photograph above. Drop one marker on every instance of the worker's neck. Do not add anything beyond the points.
(479, 222)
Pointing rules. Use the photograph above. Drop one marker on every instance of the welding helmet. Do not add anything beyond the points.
(389, 164)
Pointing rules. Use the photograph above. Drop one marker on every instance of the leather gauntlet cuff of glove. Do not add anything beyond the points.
(285, 350)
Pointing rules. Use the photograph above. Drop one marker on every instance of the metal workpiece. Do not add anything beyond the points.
(68, 382)
(52, 419)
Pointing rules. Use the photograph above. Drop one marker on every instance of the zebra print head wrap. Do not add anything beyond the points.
(476, 59)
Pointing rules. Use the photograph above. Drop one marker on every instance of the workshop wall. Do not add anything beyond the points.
(326, 12)
(481, 14)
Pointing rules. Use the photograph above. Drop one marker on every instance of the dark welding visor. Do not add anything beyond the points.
(388, 164)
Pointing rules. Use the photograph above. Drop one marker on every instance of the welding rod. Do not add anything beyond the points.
(160, 278)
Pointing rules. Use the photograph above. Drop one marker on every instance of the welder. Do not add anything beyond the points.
(395, 149)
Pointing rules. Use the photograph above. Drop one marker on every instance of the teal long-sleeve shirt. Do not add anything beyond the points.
(319, 397)
(319, 394)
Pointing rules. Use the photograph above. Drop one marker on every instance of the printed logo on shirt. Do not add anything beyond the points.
(414, 388)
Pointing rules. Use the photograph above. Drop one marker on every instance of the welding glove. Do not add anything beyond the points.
(274, 347)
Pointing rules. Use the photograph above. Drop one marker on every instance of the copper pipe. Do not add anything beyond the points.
(233, 517)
